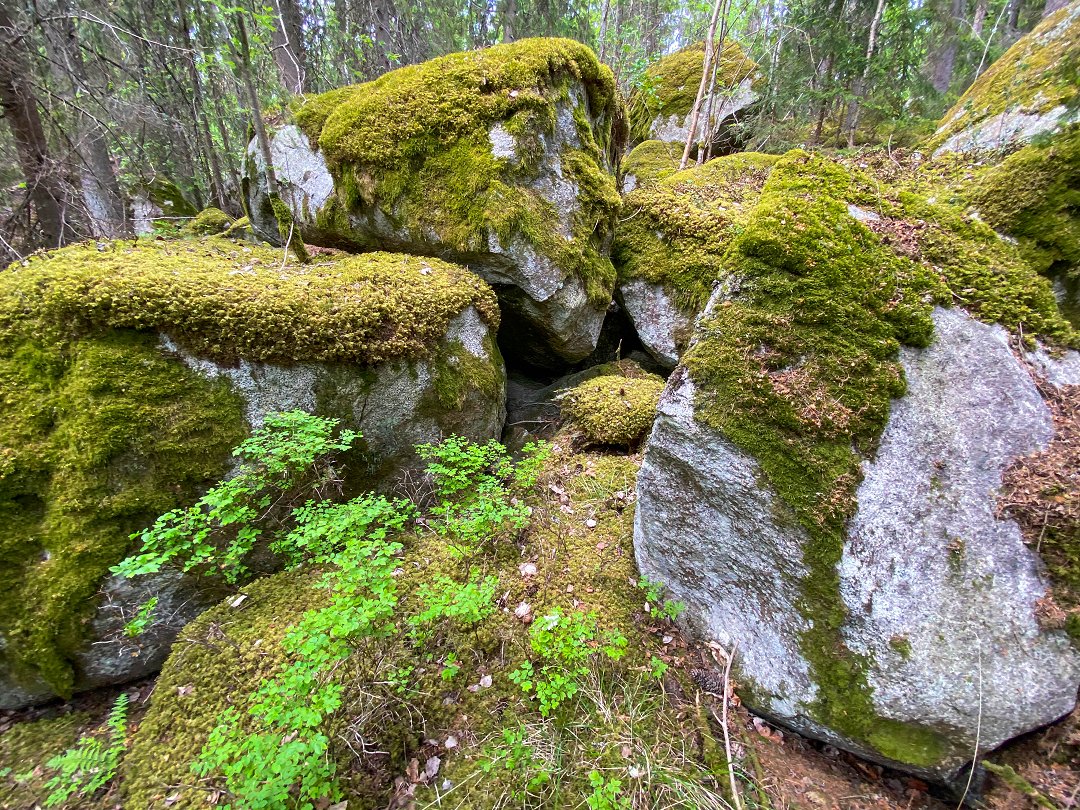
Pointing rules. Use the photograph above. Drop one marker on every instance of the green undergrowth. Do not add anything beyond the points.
(25, 747)
(1041, 71)
(522, 656)
(414, 146)
(670, 85)
(798, 364)
(225, 301)
(613, 409)
(676, 232)
(97, 436)
(652, 161)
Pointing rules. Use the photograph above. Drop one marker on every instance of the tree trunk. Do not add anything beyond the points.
(509, 20)
(1052, 6)
(978, 18)
(201, 114)
(944, 61)
(106, 208)
(823, 104)
(287, 43)
(604, 12)
(695, 113)
(43, 185)
(859, 88)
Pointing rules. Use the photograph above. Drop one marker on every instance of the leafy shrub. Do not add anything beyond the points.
(563, 646)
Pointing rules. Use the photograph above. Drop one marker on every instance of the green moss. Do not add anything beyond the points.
(167, 196)
(613, 410)
(221, 658)
(651, 161)
(798, 370)
(414, 146)
(225, 301)
(98, 436)
(1034, 196)
(1041, 71)
(457, 373)
(208, 222)
(24, 748)
(676, 232)
(670, 85)
(287, 230)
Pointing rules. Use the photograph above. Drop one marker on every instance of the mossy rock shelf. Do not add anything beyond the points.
(129, 370)
(502, 159)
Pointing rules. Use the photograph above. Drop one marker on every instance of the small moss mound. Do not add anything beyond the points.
(613, 409)
(652, 161)
(414, 145)
(675, 233)
(209, 222)
(225, 301)
(670, 85)
(1038, 73)
(24, 748)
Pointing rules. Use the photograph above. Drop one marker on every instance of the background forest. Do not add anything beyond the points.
(107, 101)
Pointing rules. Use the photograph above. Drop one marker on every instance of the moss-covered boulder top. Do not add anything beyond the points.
(226, 301)
(649, 162)
(410, 113)
(658, 109)
(613, 409)
(1033, 89)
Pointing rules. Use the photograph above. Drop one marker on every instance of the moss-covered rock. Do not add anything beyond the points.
(660, 108)
(671, 241)
(1031, 90)
(829, 428)
(501, 159)
(209, 222)
(648, 163)
(129, 371)
(613, 409)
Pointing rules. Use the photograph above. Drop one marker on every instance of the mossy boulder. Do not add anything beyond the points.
(209, 222)
(660, 109)
(160, 203)
(129, 372)
(671, 241)
(613, 409)
(648, 163)
(1032, 90)
(501, 159)
(820, 486)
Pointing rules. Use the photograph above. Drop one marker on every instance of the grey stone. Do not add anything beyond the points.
(726, 102)
(1010, 126)
(660, 324)
(940, 593)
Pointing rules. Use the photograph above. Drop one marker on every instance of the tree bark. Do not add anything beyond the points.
(944, 61)
(43, 185)
(106, 207)
(861, 84)
(201, 114)
(695, 113)
(509, 21)
(287, 43)
(1052, 6)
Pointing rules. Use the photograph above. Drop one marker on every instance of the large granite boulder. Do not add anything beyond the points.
(500, 159)
(671, 241)
(128, 374)
(821, 486)
(1030, 91)
(661, 109)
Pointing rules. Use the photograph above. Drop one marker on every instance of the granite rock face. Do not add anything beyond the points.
(939, 593)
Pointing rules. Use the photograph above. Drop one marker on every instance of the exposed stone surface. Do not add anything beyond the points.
(940, 595)
(661, 325)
